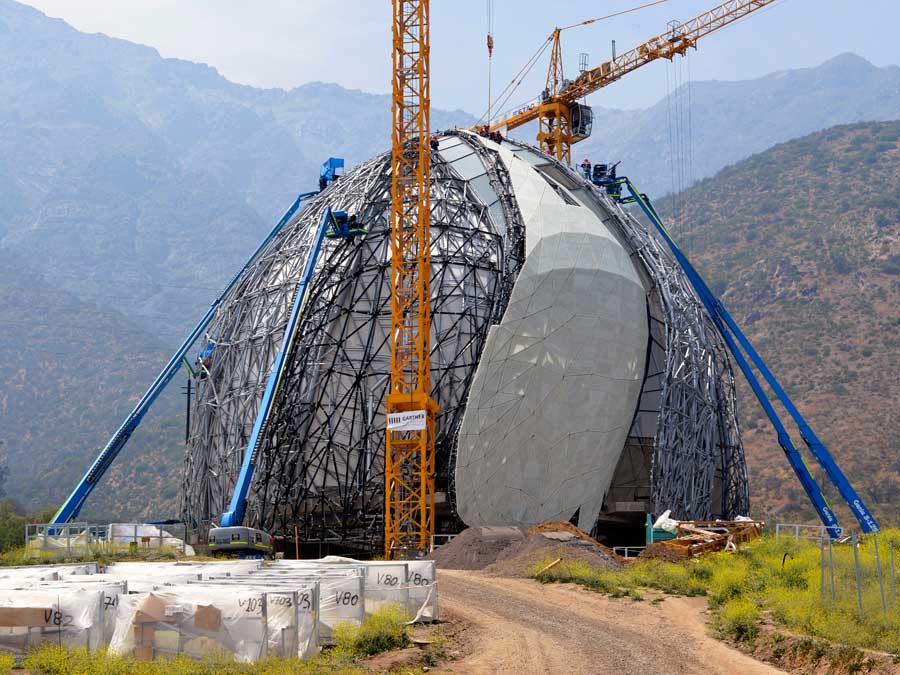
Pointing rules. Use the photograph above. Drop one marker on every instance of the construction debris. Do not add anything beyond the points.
(694, 538)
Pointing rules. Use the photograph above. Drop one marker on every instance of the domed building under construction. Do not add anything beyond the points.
(577, 374)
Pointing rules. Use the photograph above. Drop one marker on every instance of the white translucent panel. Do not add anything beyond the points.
(454, 152)
(481, 186)
(469, 166)
(559, 378)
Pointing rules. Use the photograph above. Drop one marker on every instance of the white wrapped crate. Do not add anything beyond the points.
(72, 617)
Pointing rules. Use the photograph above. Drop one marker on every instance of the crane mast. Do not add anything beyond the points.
(563, 121)
(409, 432)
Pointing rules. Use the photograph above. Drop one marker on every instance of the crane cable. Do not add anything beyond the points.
(523, 72)
(490, 49)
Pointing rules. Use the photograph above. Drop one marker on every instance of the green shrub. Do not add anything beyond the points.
(739, 620)
(381, 631)
(55, 660)
(7, 663)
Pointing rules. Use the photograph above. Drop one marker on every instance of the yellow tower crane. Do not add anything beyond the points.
(409, 434)
(564, 121)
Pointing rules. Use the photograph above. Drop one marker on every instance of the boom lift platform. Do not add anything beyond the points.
(745, 354)
(73, 504)
(332, 225)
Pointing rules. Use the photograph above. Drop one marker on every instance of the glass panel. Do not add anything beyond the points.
(468, 167)
(455, 152)
(481, 185)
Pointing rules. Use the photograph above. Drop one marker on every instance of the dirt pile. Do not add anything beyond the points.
(475, 548)
(517, 559)
(508, 551)
(662, 550)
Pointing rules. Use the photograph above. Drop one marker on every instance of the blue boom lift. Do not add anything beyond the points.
(332, 225)
(742, 350)
(72, 506)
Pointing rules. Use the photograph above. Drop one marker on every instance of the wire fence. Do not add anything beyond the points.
(68, 540)
(871, 576)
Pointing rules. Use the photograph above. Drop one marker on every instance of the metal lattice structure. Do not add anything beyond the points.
(321, 467)
(697, 468)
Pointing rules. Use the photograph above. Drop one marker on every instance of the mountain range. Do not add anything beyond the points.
(133, 186)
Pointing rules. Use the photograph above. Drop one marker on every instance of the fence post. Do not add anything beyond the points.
(855, 541)
(822, 570)
(831, 568)
(880, 575)
(893, 584)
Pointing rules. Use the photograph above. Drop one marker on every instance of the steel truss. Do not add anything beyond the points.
(697, 467)
(321, 468)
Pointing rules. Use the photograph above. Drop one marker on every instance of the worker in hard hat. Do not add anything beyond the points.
(586, 168)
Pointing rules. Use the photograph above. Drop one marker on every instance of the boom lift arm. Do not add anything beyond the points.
(72, 506)
(736, 341)
(564, 121)
(333, 224)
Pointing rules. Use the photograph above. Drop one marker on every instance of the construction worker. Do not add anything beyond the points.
(356, 227)
(434, 142)
(586, 168)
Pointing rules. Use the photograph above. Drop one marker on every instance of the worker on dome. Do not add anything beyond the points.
(586, 168)
(434, 142)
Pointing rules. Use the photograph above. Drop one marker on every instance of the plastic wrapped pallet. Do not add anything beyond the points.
(293, 623)
(150, 625)
(423, 594)
(65, 616)
(386, 584)
(292, 628)
(341, 596)
(341, 599)
(418, 593)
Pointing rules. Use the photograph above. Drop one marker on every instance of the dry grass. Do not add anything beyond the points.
(781, 578)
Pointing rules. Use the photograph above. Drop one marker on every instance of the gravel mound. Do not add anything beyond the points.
(475, 548)
(508, 551)
(517, 559)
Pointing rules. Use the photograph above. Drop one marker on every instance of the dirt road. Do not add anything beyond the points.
(520, 626)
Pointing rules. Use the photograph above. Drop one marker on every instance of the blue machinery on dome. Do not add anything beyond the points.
(332, 225)
(741, 349)
(72, 506)
(338, 224)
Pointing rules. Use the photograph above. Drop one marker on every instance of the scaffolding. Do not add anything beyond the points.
(321, 466)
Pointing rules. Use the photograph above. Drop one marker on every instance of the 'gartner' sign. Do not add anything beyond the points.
(412, 420)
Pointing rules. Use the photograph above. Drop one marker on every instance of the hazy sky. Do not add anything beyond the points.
(285, 43)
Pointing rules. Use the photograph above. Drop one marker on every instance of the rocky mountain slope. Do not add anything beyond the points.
(803, 244)
(145, 181)
(709, 125)
(70, 372)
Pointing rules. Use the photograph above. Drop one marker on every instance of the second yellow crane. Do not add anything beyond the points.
(564, 121)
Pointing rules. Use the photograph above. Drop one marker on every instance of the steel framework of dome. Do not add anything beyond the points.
(320, 469)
